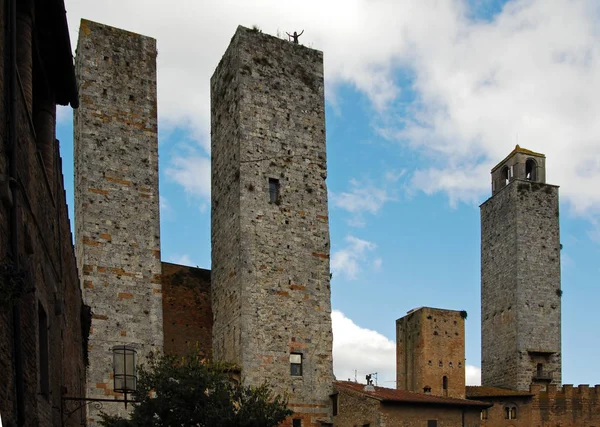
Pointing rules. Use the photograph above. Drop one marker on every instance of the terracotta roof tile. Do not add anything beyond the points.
(390, 395)
(481, 391)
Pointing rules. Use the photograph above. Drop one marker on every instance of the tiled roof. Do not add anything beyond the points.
(481, 391)
(390, 395)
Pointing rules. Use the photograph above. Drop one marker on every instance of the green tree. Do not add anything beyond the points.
(188, 392)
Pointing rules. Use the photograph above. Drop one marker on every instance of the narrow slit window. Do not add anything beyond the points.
(445, 385)
(296, 364)
(334, 404)
(273, 190)
(43, 351)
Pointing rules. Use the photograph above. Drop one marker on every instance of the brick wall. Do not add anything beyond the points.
(187, 311)
(46, 255)
(565, 406)
(430, 345)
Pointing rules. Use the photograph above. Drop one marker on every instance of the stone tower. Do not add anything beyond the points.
(270, 231)
(116, 197)
(520, 276)
(430, 352)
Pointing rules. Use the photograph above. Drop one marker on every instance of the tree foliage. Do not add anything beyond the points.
(188, 392)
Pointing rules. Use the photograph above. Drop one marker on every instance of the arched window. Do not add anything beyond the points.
(510, 412)
(506, 175)
(445, 385)
(530, 170)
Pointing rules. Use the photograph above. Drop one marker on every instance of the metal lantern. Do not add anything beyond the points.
(124, 370)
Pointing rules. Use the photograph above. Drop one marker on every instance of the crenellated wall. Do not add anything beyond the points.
(567, 406)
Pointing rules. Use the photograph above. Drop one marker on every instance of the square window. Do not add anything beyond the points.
(296, 422)
(431, 423)
(296, 364)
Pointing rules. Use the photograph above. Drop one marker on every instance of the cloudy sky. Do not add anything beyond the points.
(423, 99)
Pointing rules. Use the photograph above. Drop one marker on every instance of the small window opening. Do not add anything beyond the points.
(441, 364)
(445, 385)
(334, 404)
(273, 190)
(296, 422)
(431, 423)
(540, 370)
(530, 170)
(426, 389)
(43, 351)
(510, 412)
(296, 364)
(484, 414)
(451, 365)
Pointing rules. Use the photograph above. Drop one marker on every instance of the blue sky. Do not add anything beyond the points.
(423, 99)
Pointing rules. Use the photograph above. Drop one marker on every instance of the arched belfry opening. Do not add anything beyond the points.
(505, 175)
(520, 164)
(531, 170)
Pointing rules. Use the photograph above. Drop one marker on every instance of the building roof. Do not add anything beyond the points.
(520, 150)
(483, 391)
(389, 395)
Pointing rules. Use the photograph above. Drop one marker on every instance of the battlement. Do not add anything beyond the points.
(567, 391)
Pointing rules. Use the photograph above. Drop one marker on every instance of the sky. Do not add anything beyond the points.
(422, 100)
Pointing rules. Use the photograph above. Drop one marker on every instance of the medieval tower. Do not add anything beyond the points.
(116, 197)
(520, 276)
(270, 231)
(430, 352)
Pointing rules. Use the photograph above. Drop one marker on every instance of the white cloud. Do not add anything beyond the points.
(193, 173)
(377, 263)
(368, 351)
(532, 75)
(348, 261)
(365, 350)
(473, 375)
(183, 259)
(361, 198)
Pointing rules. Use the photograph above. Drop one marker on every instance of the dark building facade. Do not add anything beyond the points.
(42, 344)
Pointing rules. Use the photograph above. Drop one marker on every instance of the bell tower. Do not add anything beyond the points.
(520, 275)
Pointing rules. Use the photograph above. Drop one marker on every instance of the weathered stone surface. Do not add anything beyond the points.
(430, 345)
(116, 197)
(270, 259)
(520, 284)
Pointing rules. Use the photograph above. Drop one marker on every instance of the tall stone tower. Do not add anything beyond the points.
(520, 275)
(270, 231)
(430, 352)
(116, 196)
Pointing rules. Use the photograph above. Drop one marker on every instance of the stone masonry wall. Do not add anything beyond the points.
(430, 345)
(498, 290)
(356, 409)
(271, 291)
(520, 286)
(116, 197)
